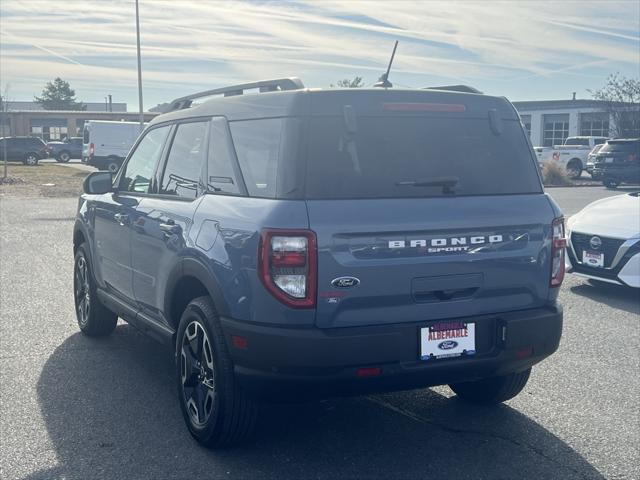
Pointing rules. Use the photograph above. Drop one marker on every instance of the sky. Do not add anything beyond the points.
(524, 50)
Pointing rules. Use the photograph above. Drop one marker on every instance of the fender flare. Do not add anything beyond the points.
(80, 226)
(192, 267)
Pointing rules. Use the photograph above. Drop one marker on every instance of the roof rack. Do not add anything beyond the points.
(275, 85)
(456, 88)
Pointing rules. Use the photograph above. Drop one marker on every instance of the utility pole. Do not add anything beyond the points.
(139, 68)
(5, 118)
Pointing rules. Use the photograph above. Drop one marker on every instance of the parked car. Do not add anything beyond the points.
(591, 158)
(604, 241)
(28, 150)
(321, 242)
(106, 143)
(618, 161)
(66, 149)
(572, 155)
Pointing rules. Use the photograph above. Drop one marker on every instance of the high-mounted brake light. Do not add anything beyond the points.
(92, 148)
(558, 245)
(424, 107)
(288, 266)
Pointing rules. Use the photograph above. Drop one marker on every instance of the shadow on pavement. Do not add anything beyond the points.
(616, 296)
(111, 411)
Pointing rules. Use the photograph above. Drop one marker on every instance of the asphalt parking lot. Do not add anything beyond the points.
(79, 408)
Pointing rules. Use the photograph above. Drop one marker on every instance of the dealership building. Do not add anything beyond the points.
(549, 122)
(30, 119)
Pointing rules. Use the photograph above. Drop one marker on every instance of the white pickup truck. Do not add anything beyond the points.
(572, 155)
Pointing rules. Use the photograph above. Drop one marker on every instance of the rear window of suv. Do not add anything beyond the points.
(614, 146)
(413, 156)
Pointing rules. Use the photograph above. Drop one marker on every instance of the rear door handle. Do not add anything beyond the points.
(121, 218)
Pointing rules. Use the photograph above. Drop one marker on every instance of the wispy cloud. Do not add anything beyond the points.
(200, 44)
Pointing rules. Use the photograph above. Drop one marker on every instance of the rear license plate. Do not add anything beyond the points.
(593, 259)
(447, 339)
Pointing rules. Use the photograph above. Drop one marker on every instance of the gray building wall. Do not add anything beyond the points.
(583, 117)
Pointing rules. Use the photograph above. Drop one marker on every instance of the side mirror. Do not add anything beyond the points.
(98, 183)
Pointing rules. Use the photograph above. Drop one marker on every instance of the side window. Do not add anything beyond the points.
(222, 177)
(139, 169)
(257, 145)
(185, 165)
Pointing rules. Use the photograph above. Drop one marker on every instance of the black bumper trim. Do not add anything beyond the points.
(312, 361)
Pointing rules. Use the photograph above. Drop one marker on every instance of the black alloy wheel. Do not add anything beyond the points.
(216, 410)
(94, 319)
(197, 373)
(82, 291)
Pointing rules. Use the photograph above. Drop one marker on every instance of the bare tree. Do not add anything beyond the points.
(622, 101)
(346, 83)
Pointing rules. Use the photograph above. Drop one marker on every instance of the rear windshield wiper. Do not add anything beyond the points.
(447, 183)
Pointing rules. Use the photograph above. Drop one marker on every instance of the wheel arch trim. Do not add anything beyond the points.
(192, 267)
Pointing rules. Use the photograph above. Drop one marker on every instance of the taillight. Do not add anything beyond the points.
(631, 158)
(92, 148)
(288, 266)
(558, 245)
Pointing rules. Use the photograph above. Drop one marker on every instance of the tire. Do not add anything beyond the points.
(113, 165)
(94, 319)
(31, 159)
(63, 157)
(607, 182)
(217, 412)
(494, 390)
(574, 168)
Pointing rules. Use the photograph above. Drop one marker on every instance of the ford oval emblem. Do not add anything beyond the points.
(595, 242)
(345, 282)
(447, 345)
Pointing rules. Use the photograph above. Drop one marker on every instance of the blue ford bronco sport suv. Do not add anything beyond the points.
(326, 242)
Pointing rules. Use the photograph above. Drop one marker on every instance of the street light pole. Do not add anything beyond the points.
(5, 120)
(139, 68)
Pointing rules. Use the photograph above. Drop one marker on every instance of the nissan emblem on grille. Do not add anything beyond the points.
(595, 243)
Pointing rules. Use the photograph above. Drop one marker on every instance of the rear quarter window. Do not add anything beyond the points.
(257, 144)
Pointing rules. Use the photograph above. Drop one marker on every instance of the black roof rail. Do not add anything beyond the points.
(275, 85)
(456, 88)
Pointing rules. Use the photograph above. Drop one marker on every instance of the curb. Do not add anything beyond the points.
(575, 185)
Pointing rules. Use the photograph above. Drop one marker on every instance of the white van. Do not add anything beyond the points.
(106, 143)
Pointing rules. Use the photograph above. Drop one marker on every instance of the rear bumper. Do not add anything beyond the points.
(305, 362)
(628, 173)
